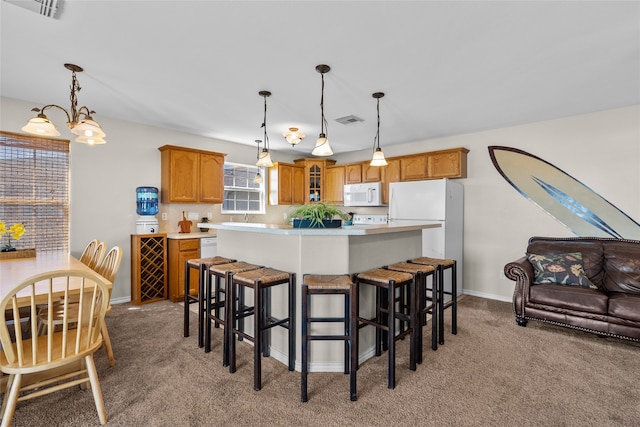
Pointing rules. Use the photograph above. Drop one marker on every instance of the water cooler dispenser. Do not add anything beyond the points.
(147, 208)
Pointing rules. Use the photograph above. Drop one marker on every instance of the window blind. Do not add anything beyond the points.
(34, 190)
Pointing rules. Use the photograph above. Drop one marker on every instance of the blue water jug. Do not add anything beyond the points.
(147, 201)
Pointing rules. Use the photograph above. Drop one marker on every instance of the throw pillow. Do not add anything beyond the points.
(564, 269)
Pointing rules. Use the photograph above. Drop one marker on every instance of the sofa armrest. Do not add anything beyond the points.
(521, 271)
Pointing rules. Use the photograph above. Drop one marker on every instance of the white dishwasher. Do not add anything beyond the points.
(208, 247)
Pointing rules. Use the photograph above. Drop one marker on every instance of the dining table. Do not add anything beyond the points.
(15, 271)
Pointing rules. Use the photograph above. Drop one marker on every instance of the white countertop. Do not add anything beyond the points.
(352, 230)
(196, 235)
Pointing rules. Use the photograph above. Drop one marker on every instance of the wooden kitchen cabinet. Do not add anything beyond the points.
(286, 184)
(389, 174)
(447, 163)
(314, 171)
(353, 173)
(413, 167)
(181, 250)
(191, 176)
(335, 180)
(371, 173)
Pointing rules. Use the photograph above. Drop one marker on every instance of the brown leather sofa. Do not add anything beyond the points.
(611, 307)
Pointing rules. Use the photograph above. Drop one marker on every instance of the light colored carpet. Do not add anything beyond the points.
(492, 373)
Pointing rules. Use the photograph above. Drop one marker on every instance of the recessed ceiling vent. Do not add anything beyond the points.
(48, 8)
(349, 120)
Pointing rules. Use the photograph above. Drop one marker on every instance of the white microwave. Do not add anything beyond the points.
(365, 194)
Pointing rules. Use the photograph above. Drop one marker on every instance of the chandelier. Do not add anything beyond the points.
(80, 122)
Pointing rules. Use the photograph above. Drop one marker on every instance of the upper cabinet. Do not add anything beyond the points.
(447, 163)
(314, 170)
(353, 173)
(371, 173)
(191, 176)
(413, 167)
(335, 180)
(286, 184)
(390, 173)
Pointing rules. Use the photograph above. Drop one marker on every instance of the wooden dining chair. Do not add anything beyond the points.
(108, 269)
(61, 357)
(93, 253)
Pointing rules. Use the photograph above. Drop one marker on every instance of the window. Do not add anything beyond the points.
(34, 190)
(241, 193)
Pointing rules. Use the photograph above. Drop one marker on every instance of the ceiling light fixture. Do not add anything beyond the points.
(322, 147)
(378, 156)
(293, 136)
(79, 121)
(258, 177)
(264, 159)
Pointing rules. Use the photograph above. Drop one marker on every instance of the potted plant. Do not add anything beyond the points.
(317, 215)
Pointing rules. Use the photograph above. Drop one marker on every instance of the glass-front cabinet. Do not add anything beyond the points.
(314, 178)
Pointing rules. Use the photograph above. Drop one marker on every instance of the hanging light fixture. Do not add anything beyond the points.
(264, 159)
(293, 136)
(79, 121)
(378, 156)
(322, 147)
(258, 177)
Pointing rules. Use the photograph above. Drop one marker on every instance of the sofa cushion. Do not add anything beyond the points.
(590, 248)
(622, 266)
(564, 269)
(576, 298)
(625, 306)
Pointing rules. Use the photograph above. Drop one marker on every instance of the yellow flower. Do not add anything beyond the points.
(16, 231)
(3, 229)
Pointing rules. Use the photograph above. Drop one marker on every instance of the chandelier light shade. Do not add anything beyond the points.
(378, 156)
(293, 136)
(264, 159)
(258, 178)
(322, 148)
(79, 120)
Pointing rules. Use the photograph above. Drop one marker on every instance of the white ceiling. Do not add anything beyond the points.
(446, 67)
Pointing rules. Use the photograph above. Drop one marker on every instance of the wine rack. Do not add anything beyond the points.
(148, 268)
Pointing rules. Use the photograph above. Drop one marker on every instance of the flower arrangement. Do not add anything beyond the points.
(16, 231)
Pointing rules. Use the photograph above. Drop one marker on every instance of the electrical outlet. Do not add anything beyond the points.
(192, 215)
(164, 216)
(209, 215)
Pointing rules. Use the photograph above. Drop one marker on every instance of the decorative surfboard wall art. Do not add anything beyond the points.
(572, 203)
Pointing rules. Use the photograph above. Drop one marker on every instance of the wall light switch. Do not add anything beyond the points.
(193, 215)
(209, 215)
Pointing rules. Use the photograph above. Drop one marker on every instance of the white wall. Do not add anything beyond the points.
(601, 149)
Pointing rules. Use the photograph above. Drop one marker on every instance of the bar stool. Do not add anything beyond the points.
(316, 284)
(425, 303)
(212, 311)
(200, 264)
(261, 281)
(387, 282)
(442, 265)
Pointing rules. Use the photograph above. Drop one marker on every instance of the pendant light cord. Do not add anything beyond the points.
(323, 121)
(264, 124)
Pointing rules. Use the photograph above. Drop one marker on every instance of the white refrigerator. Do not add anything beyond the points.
(438, 200)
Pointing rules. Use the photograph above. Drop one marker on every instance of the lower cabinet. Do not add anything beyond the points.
(181, 250)
(148, 268)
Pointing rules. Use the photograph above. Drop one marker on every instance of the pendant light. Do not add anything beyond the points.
(322, 147)
(79, 120)
(264, 159)
(258, 177)
(378, 156)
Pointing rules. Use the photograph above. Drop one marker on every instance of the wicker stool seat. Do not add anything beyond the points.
(425, 303)
(324, 284)
(201, 265)
(441, 265)
(261, 281)
(214, 291)
(387, 283)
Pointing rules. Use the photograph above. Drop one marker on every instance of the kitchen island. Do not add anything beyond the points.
(349, 249)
